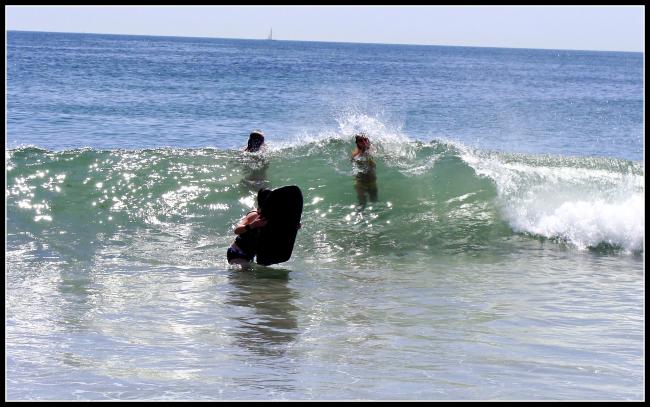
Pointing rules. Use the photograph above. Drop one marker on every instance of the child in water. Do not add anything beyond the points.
(243, 249)
(255, 165)
(255, 141)
(365, 182)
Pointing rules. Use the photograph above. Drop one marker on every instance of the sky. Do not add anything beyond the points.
(602, 28)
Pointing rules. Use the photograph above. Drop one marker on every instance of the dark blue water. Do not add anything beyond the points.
(112, 91)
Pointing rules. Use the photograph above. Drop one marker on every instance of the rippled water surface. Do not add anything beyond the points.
(503, 259)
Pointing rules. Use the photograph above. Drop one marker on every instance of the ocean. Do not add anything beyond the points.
(502, 260)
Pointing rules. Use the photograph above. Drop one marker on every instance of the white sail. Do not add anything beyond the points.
(271, 34)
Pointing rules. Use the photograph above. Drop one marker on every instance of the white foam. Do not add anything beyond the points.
(584, 206)
(387, 140)
(587, 223)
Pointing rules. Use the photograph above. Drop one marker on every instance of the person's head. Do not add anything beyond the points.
(255, 140)
(362, 141)
(262, 194)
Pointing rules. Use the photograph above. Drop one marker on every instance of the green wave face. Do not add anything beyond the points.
(439, 198)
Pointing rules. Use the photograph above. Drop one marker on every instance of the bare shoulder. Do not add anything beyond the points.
(252, 215)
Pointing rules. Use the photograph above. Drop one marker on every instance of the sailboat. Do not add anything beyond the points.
(270, 35)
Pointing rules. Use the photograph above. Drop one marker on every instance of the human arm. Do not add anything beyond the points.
(251, 221)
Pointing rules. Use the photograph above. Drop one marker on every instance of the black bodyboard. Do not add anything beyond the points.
(282, 209)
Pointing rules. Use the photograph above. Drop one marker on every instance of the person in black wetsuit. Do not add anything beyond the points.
(244, 248)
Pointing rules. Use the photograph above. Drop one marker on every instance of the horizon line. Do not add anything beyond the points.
(332, 42)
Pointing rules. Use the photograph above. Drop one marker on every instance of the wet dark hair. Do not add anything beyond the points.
(360, 136)
(255, 141)
(262, 194)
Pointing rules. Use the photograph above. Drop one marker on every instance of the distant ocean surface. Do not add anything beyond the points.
(503, 260)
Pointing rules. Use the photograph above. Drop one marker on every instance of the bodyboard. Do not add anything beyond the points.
(282, 209)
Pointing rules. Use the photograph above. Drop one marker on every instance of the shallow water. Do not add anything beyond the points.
(542, 323)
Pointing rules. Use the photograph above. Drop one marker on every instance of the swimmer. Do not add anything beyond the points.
(244, 248)
(365, 183)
